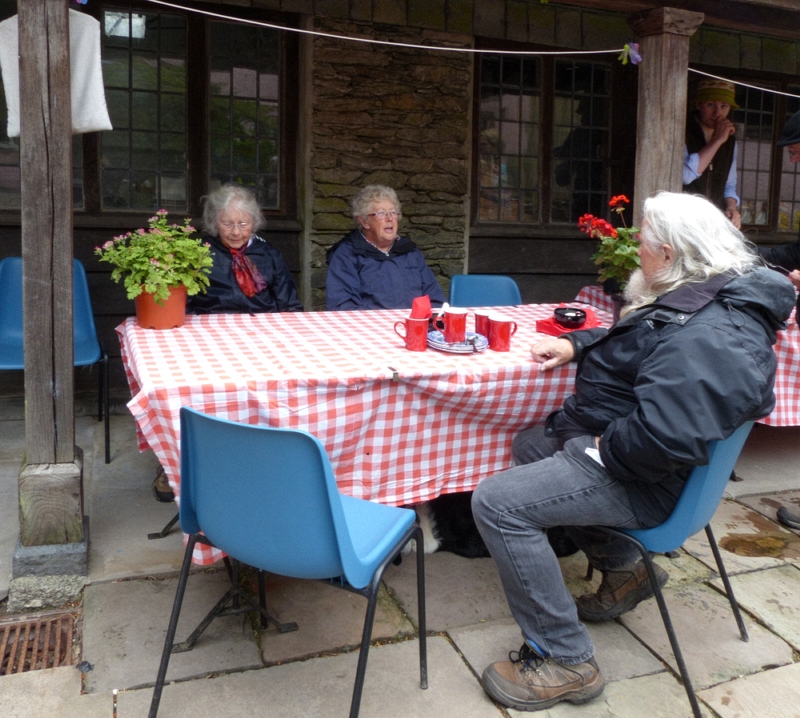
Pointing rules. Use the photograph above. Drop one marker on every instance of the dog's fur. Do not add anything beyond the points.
(447, 525)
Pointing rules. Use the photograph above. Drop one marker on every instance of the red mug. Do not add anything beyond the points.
(416, 333)
(453, 325)
(501, 329)
(482, 323)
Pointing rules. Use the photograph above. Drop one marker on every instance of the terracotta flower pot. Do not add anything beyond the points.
(152, 315)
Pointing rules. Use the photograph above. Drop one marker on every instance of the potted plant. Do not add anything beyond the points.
(617, 254)
(160, 266)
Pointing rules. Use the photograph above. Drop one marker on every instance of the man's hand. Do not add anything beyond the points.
(723, 130)
(550, 353)
(732, 213)
(794, 278)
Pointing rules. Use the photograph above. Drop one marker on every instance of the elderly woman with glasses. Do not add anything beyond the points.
(249, 275)
(373, 267)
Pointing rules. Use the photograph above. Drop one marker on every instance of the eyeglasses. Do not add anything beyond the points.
(382, 214)
(241, 225)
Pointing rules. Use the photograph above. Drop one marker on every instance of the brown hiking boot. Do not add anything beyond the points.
(161, 488)
(529, 682)
(619, 592)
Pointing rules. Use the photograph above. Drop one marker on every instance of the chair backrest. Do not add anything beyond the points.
(483, 290)
(86, 346)
(265, 496)
(700, 497)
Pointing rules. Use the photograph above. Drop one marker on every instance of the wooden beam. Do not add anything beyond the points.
(46, 184)
(661, 114)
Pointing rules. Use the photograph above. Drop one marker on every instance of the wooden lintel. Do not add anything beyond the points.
(666, 20)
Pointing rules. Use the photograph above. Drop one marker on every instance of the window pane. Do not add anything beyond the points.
(789, 210)
(244, 79)
(754, 122)
(509, 117)
(144, 59)
(580, 140)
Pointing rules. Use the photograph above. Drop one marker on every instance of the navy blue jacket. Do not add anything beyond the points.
(672, 376)
(360, 276)
(224, 295)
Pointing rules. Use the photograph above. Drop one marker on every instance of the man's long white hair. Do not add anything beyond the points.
(703, 241)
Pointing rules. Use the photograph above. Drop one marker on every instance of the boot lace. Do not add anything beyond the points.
(530, 659)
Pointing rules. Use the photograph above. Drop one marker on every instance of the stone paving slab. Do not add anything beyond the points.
(768, 505)
(125, 624)
(459, 591)
(9, 521)
(773, 597)
(708, 636)
(748, 541)
(119, 547)
(39, 693)
(328, 618)
(618, 653)
(129, 468)
(768, 461)
(323, 687)
(773, 693)
(659, 696)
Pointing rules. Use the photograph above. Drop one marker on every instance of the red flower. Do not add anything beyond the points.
(617, 202)
(585, 223)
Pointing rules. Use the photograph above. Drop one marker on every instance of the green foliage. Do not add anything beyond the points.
(162, 256)
(617, 256)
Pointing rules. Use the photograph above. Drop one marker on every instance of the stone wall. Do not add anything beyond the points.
(392, 116)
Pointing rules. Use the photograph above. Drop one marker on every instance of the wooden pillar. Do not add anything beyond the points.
(661, 116)
(51, 508)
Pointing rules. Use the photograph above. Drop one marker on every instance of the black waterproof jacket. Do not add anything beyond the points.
(674, 375)
(224, 295)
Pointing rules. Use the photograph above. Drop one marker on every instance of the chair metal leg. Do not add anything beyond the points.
(161, 534)
(262, 599)
(423, 635)
(106, 419)
(726, 582)
(665, 617)
(173, 625)
(371, 593)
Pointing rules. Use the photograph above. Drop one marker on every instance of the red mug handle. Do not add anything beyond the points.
(401, 324)
(514, 329)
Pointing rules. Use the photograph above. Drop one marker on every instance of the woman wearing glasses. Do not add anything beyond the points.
(249, 275)
(373, 267)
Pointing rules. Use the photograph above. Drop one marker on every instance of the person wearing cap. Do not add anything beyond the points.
(709, 156)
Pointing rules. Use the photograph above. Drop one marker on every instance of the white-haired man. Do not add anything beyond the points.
(689, 362)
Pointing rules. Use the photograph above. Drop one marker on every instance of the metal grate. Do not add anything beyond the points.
(40, 641)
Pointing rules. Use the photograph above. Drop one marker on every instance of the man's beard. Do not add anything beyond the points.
(638, 292)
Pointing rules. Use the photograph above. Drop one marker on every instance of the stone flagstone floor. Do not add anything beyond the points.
(237, 670)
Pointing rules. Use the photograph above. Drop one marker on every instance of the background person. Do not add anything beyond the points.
(650, 393)
(249, 275)
(709, 156)
(373, 267)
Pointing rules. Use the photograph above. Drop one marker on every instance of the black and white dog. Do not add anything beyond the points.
(447, 525)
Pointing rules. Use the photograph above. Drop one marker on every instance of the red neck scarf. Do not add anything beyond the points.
(247, 275)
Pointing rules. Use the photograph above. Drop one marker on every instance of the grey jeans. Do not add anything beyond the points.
(558, 484)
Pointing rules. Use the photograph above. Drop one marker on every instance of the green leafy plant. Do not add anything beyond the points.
(155, 259)
(617, 254)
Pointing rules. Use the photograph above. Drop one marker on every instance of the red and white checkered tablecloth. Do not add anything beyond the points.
(787, 350)
(399, 427)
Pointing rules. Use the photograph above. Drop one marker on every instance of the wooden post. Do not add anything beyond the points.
(50, 495)
(661, 116)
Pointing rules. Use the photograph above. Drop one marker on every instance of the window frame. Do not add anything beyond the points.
(622, 132)
(198, 139)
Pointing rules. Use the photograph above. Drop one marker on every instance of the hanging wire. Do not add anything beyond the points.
(744, 84)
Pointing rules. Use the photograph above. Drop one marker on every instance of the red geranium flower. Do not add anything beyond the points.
(617, 202)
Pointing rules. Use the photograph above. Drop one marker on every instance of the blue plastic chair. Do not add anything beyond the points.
(86, 346)
(268, 498)
(483, 290)
(695, 508)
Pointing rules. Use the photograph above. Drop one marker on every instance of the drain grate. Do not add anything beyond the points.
(40, 641)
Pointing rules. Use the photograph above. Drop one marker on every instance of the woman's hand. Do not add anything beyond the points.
(550, 353)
